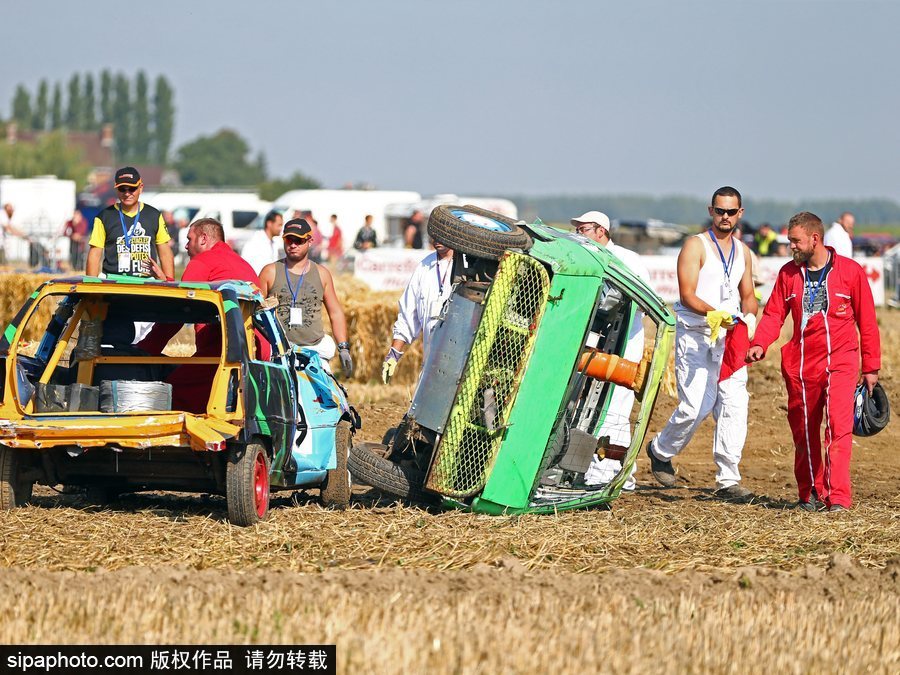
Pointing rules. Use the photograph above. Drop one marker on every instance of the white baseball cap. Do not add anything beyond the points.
(596, 217)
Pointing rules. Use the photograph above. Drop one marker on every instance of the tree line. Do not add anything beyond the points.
(692, 210)
(143, 121)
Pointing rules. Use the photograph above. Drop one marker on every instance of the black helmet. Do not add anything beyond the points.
(871, 412)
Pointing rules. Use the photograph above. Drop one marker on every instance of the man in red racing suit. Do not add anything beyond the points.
(828, 297)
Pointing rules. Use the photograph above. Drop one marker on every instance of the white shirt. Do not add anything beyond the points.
(425, 294)
(259, 250)
(836, 237)
(631, 259)
(634, 349)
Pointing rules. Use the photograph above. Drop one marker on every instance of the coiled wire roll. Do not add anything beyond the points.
(122, 396)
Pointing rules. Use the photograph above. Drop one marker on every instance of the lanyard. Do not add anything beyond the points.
(814, 294)
(437, 271)
(730, 264)
(287, 278)
(126, 234)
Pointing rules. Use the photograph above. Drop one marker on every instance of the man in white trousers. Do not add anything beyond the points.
(716, 292)
(595, 226)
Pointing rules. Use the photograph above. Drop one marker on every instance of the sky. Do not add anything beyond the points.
(784, 99)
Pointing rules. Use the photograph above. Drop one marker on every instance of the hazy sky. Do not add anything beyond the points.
(785, 99)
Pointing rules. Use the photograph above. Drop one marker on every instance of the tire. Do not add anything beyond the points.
(247, 484)
(399, 481)
(13, 490)
(476, 232)
(335, 492)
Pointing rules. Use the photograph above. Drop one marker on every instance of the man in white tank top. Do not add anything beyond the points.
(714, 282)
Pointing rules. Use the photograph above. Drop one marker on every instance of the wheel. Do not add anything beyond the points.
(400, 481)
(247, 484)
(476, 232)
(13, 490)
(335, 492)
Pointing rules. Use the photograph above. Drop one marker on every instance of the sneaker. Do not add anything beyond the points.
(734, 493)
(662, 471)
(836, 508)
(809, 505)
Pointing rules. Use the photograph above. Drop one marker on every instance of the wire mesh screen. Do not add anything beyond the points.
(486, 394)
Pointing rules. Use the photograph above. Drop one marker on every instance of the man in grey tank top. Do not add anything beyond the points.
(301, 288)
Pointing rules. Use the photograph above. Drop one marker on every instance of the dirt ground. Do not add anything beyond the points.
(665, 580)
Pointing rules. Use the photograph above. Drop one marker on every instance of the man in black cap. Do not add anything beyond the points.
(128, 234)
(301, 288)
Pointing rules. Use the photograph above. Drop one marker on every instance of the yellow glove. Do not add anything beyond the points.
(390, 365)
(715, 320)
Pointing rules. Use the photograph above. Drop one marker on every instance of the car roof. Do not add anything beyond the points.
(243, 289)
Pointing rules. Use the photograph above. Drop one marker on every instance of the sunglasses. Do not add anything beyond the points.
(722, 212)
(294, 241)
(581, 229)
(126, 189)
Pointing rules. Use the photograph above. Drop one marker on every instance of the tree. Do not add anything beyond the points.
(56, 118)
(272, 189)
(51, 154)
(89, 104)
(21, 107)
(140, 128)
(75, 111)
(41, 107)
(163, 120)
(218, 160)
(106, 97)
(121, 118)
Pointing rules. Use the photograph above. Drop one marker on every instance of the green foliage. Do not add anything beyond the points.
(49, 155)
(106, 99)
(21, 107)
(56, 107)
(218, 160)
(41, 107)
(163, 120)
(75, 110)
(90, 104)
(140, 130)
(272, 189)
(121, 117)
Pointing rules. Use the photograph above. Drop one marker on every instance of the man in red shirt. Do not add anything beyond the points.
(211, 259)
(829, 298)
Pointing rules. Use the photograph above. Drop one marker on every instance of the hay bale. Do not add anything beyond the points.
(14, 290)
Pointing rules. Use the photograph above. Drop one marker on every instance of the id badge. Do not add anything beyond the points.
(436, 307)
(726, 293)
(124, 263)
(296, 318)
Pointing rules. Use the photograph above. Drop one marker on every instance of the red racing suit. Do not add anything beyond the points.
(821, 367)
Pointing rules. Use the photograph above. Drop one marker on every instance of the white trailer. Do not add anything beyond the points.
(42, 206)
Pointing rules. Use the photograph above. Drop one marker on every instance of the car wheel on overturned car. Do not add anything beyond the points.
(476, 232)
(247, 484)
(335, 491)
(401, 481)
(14, 491)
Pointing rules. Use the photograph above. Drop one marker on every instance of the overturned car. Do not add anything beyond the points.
(517, 399)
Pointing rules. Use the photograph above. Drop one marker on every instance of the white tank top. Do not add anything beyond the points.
(713, 286)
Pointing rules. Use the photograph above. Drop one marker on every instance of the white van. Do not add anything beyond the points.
(350, 206)
(236, 210)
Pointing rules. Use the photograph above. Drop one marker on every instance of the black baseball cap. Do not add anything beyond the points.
(128, 176)
(298, 228)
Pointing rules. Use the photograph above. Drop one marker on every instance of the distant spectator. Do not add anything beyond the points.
(840, 235)
(782, 247)
(315, 247)
(6, 228)
(764, 238)
(335, 240)
(77, 231)
(264, 246)
(412, 235)
(366, 238)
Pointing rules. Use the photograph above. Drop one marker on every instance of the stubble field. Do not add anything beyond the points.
(667, 580)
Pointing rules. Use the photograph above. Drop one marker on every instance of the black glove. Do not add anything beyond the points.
(346, 361)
